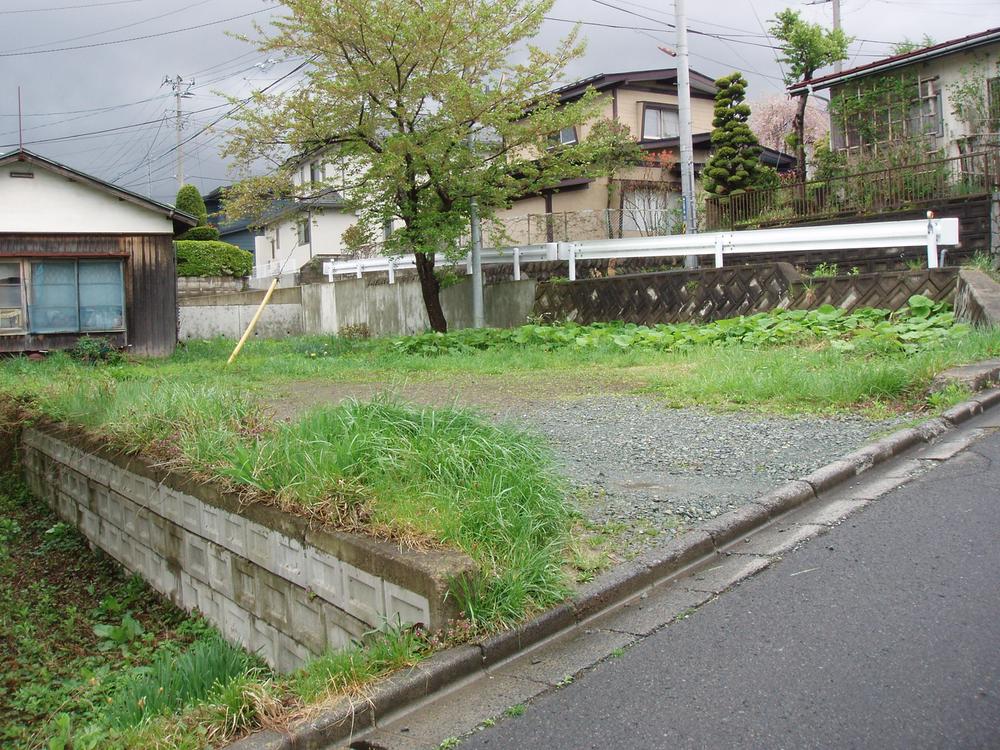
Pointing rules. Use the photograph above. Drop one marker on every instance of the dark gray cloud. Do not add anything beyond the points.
(70, 95)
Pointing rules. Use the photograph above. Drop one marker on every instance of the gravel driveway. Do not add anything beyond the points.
(658, 470)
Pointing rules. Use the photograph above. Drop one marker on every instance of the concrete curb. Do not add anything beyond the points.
(448, 667)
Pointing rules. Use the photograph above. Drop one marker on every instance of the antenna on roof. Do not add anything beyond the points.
(20, 132)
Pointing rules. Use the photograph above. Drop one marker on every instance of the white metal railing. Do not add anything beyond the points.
(266, 270)
(882, 234)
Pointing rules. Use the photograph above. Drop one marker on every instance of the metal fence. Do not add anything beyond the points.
(866, 193)
(882, 234)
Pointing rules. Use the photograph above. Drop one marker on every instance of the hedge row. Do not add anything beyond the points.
(204, 258)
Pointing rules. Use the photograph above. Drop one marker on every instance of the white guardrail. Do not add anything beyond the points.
(931, 233)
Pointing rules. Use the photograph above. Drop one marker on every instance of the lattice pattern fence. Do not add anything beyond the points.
(703, 295)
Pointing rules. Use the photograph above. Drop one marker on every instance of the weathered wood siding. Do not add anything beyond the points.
(150, 280)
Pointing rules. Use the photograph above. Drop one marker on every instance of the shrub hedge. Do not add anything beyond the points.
(200, 233)
(207, 258)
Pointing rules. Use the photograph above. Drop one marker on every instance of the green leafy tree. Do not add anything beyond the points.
(805, 48)
(394, 90)
(189, 201)
(734, 165)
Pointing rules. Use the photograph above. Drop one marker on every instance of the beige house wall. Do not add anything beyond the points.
(951, 71)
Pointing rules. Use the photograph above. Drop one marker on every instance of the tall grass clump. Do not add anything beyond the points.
(162, 417)
(446, 474)
(172, 682)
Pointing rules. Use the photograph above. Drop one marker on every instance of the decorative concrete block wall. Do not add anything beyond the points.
(263, 577)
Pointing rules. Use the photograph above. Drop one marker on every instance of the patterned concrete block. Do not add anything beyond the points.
(408, 606)
(220, 570)
(195, 556)
(273, 601)
(290, 654)
(290, 560)
(235, 533)
(134, 518)
(138, 489)
(365, 595)
(263, 640)
(245, 591)
(306, 619)
(190, 516)
(90, 525)
(260, 545)
(171, 504)
(114, 511)
(212, 523)
(341, 628)
(73, 483)
(235, 622)
(160, 530)
(66, 508)
(325, 576)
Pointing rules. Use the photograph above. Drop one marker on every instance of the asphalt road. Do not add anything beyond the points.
(884, 633)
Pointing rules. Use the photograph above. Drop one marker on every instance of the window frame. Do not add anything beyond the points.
(28, 292)
(659, 108)
(23, 310)
(303, 230)
(556, 139)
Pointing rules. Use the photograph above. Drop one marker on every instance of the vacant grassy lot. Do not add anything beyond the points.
(276, 428)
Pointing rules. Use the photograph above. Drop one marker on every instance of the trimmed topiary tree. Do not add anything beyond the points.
(201, 258)
(735, 164)
(189, 201)
(207, 232)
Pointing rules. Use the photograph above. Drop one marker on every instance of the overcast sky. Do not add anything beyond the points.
(87, 67)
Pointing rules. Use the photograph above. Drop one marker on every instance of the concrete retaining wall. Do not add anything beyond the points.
(384, 309)
(265, 578)
(229, 314)
(195, 286)
(977, 299)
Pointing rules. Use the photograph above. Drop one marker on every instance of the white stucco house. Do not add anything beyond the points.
(296, 230)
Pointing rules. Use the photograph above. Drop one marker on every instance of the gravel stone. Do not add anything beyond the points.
(660, 470)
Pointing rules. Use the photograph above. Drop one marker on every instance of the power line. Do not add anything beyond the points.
(242, 103)
(138, 38)
(69, 7)
(117, 28)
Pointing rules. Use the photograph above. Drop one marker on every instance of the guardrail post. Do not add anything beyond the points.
(392, 271)
(358, 270)
(468, 264)
(932, 235)
(718, 251)
(328, 270)
(572, 262)
(517, 264)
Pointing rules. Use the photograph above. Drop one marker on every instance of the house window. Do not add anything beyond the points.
(68, 296)
(102, 295)
(565, 137)
(11, 297)
(303, 229)
(315, 173)
(659, 122)
(926, 114)
(993, 104)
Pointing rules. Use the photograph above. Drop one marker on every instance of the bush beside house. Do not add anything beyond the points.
(212, 258)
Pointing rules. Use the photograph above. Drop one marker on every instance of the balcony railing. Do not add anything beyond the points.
(863, 194)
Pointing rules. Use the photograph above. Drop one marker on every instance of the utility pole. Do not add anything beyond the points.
(838, 66)
(478, 316)
(182, 90)
(684, 116)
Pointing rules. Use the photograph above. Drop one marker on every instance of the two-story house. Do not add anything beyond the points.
(944, 98)
(639, 200)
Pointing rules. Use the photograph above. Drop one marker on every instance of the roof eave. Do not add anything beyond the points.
(894, 63)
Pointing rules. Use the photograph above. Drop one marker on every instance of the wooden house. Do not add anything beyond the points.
(80, 256)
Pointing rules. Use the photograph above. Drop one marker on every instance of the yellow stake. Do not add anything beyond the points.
(253, 322)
